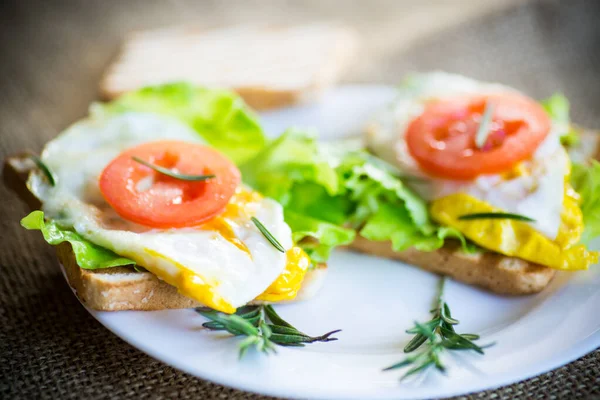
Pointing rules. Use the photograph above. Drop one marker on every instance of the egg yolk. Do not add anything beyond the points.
(517, 238)
(518, 170)
(189, 283)
(244, 202)
(287, 285)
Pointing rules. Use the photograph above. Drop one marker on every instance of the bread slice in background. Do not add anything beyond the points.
(269, 66)
(121, 288)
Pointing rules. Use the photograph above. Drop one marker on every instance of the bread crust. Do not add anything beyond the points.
(492, 271)
(121, 288)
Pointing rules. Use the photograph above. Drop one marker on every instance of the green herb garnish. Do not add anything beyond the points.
(571, 138)
(262, 326)
(484, 126)
(172, 174)
(495, 215)
(437, 335)
(263, 229)
(44, 168)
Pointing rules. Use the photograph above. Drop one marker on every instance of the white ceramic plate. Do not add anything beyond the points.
(374, 300)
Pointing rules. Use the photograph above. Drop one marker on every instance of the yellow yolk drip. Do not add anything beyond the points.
(189, 283)
(223, 226)
(517, 238)
(521, 169)
(243, 202)
(571, 219)
(287, 285)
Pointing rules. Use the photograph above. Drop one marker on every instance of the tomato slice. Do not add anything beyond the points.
(142, 195)
(442, 138)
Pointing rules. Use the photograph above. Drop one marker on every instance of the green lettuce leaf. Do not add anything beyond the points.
(293, 172)
(88, 255)
(586, 181)
(340, 185)
(291, 158)
(327, 235)
(221, 117)
(557, 108)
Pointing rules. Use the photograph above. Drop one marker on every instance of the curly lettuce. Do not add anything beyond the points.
(87, 254)
(557, 107)
(584, 178)
(586, 181)
(221, 117)
(342, 185)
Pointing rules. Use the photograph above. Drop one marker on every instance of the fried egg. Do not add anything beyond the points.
(535, 188)
(224, 263)
(530, 189)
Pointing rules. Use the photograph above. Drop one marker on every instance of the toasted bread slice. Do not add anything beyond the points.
(121, 288)
(492, 271)
(269, 66)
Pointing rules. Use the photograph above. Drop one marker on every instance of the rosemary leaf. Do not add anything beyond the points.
(262, 326)
(445, 315)
(44, 168)
(268, 234)
(470, 336)
(484, 126)
(171, 173)
(275, 318)
(434, 337)
(288, 339)
(415, 343)
(401, 364)
(284, 330)
(495, 215)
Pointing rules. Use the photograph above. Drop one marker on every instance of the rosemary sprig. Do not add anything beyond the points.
(437, 335)
(263, 229)
(44, 168)
(495, 215)
(484, 125)
(172, 174)
(262, 326)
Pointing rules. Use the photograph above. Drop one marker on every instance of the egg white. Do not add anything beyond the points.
(538, 195)
(77, 158)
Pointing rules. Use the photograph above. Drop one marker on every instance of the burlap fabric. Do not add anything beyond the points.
(53, 54)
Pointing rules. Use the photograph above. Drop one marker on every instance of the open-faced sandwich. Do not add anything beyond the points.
(468, 179)
(149, 211)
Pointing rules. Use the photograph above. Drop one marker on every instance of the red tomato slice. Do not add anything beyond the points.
(442, 138)
(142, 195)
